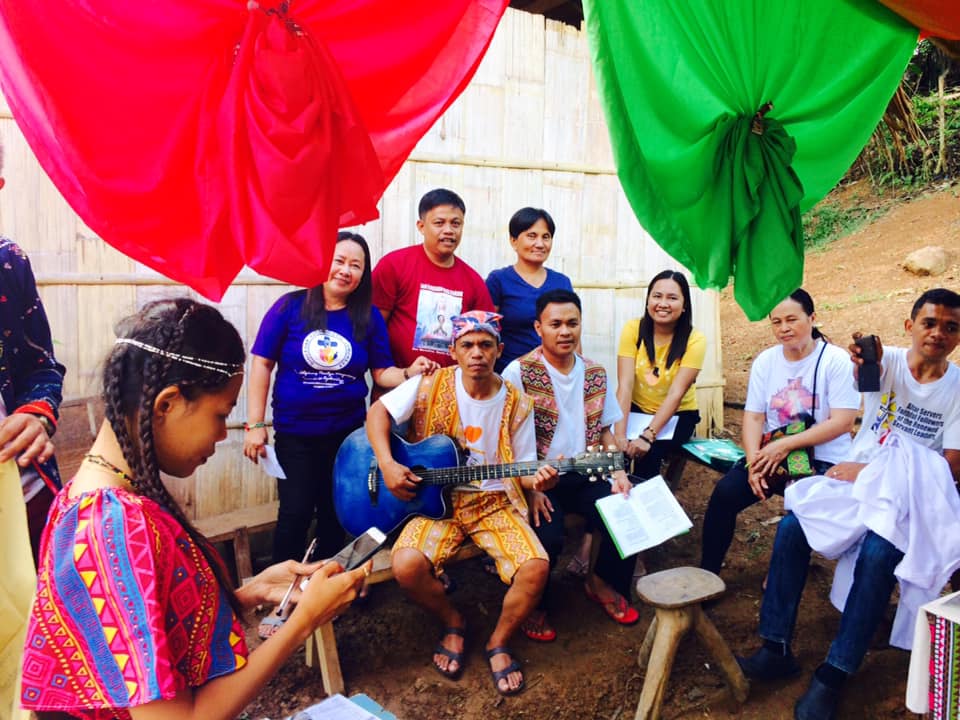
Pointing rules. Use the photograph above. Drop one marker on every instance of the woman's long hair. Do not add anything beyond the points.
(134, 376)
(681, 332)
(359, 303)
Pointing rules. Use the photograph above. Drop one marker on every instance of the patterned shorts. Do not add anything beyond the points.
(489, 519)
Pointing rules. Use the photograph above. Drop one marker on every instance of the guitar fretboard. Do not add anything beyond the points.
(460, 475)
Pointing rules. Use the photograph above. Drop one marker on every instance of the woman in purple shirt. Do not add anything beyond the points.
(515, 288)
(321, 341)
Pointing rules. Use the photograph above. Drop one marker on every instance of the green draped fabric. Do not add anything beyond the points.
(681, 82)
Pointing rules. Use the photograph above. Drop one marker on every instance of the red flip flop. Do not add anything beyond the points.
(537, 628)
(617, 608)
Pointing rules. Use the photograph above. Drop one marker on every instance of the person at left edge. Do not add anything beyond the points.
(135, 616)
(322, 341)
(31, 385)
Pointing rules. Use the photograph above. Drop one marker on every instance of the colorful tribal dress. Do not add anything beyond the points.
(127, 610)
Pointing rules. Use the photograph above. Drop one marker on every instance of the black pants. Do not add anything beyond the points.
(575, 493)
(731, 495)
(307, 493)
(649, 465)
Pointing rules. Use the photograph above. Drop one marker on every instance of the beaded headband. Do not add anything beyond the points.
(225, 368)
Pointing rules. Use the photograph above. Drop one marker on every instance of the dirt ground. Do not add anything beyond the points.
(591, 670)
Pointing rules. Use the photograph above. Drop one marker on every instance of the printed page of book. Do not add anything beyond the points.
(649, 516)
(335, 707)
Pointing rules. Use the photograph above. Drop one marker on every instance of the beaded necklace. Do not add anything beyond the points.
(107, 465)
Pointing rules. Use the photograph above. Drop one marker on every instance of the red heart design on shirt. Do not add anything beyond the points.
(472, 433)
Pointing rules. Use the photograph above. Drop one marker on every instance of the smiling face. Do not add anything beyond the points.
(792, 327)
(533, 245)
(346, 270)
(665, 303)
(559, 328)
(476, 353)
(935, 331)
(186, 432)
(442, 228)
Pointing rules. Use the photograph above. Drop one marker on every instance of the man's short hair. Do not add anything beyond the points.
(559, 296)
(438, 197)
(936, 296)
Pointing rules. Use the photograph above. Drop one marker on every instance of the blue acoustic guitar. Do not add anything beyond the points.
(362, 500)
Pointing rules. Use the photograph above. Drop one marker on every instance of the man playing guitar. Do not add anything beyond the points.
(493, 420)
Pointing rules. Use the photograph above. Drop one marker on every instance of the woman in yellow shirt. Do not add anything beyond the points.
(658, 360)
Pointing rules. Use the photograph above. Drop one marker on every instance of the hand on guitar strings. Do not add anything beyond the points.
(400, 480)
(544, 479)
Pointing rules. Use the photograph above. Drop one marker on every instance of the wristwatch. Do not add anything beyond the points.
(47, 424)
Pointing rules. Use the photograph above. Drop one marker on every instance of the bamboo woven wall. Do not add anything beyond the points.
(528, 130)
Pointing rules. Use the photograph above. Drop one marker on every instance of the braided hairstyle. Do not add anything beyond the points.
(133, 377)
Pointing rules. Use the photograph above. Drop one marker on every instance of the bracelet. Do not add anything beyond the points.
(651, 431)
(646, 440)
(248, 426)
(405, 375)
(43, 411)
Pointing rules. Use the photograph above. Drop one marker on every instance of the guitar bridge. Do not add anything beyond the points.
(372, 488)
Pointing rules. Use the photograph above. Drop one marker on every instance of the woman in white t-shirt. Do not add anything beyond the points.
(804, 374)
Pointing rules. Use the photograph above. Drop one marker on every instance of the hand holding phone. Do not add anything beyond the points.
(357, 551)
(868, 374)
(360, 549)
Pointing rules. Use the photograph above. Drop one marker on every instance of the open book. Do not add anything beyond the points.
(649, 516)
(337, 707)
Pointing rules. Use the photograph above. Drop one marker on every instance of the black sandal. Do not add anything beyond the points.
(499, 675)
(456, 657)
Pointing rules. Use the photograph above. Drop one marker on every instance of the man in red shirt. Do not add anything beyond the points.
(419, 288)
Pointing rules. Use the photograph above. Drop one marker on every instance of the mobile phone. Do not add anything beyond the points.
(360, 549)
(868, 375)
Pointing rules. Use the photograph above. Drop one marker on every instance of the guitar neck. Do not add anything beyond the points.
(464, 474)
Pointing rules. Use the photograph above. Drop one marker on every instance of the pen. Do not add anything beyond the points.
(281, 608)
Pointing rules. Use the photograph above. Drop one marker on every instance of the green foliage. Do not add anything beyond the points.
(829, 221)
(904, 153)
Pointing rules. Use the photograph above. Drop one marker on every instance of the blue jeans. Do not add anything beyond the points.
(873, 582)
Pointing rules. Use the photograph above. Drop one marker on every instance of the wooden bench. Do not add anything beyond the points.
(322, 645)
(235, 528)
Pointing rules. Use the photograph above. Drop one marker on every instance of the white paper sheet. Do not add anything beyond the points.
(271, 466)
(637, 423)
(335, 707)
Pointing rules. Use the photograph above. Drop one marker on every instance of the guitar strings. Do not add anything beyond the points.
(455, 473)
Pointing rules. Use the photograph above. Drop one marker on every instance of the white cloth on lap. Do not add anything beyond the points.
(907, 496)
(828, 513)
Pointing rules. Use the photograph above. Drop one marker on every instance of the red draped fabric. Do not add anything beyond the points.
(197, 136)
(937, 18)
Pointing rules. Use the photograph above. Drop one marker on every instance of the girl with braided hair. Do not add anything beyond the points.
(134, 615)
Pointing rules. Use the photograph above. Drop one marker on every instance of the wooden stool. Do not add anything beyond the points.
(676, 594)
